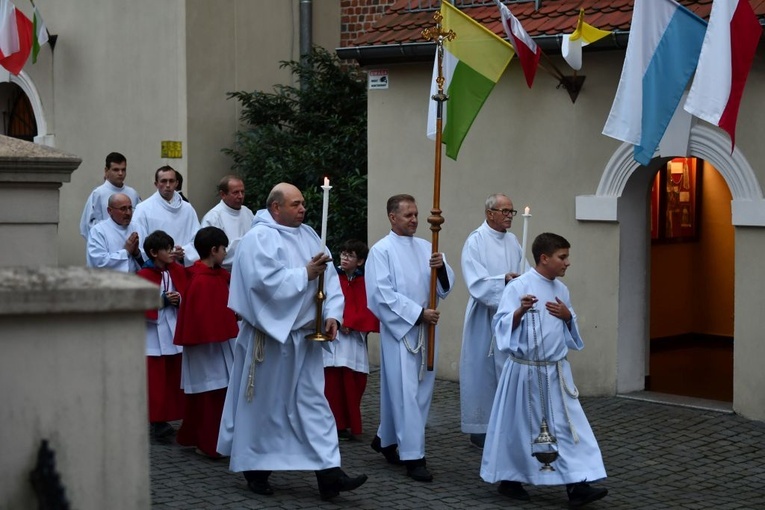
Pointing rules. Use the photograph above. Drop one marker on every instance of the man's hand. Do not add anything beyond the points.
(510, 276)
(131, 245)
(178, 253)
(437, 260)
(317, 265)
(430, 316)
(330, 327)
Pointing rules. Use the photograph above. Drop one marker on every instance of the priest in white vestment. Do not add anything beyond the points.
(165, 210)
(491, 257)
(398, 293)
(114, 182)
(276, 416)
(230, 215)
(536, 325)
(113, 243)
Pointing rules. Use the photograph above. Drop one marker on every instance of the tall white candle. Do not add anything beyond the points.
(526, 215)
(324, 213)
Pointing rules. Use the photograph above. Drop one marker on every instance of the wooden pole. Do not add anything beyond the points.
(435, 219)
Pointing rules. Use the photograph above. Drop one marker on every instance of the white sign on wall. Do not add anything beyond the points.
(377, 79)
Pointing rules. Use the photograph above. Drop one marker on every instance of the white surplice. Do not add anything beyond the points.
(287, 424)
(95, 206)
(398, 288)
(486, 257)
(234, 222)
(177, 218)
(518, 407)
(207, 367)
(160, 333)
(106, 247)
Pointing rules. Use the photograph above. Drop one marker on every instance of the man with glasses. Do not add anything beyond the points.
(491, 257)
(165, 210)
(113, 242)
(230, 215)
(115, 172)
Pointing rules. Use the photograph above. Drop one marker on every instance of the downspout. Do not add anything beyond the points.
(306, 37)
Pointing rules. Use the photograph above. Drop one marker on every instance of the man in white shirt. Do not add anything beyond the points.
(166, 211)
(114, 182)
(113, 242)
(230, 215)
(491, 258)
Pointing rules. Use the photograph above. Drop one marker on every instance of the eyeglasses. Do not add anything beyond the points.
(506, 212)
(349, 256)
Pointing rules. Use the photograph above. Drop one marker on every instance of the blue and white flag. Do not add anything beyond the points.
(662, 54)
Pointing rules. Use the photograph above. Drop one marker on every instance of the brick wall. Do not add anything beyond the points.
(358, 16)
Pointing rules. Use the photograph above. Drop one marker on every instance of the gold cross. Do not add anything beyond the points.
(438, 35)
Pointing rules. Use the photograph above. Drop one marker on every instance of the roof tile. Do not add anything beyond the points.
(404, 21)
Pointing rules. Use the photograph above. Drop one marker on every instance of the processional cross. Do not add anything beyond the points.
(439, 35)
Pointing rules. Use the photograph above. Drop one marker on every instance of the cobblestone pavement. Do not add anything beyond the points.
(657, 457)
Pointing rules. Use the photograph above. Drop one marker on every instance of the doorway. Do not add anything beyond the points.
(692, 282)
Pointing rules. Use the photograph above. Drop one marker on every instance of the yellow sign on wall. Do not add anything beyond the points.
(172, 149)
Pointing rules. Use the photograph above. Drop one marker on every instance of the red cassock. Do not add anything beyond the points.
(166, 398)
(344, 387)
(204, 316)
(356, 315)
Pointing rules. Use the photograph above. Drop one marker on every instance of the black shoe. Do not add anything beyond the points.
(579, 494)
(390, 452)
(345, 435)
(513, 490)
(257, 481)
(333, 481)
(416, 470)
(478, 440)
(162, 430)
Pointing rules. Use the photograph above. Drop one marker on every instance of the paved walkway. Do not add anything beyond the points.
(657, 457)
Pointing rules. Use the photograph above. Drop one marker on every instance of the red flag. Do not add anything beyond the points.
(527, 50)
(15, 61)
(726, 57)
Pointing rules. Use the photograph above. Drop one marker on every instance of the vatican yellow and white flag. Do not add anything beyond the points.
(572, 44)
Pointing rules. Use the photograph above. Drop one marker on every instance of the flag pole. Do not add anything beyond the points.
(435, 219)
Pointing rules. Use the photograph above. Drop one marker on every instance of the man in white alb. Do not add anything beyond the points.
(276, 417)
(166, 211)
(230, 215)
(491, 257)
(398, 293)
(113, 242)
(114, 182)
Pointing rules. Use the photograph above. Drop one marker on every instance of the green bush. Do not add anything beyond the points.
(301, 136)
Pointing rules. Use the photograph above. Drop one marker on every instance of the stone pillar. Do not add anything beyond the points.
(73, 372)
(30, 177)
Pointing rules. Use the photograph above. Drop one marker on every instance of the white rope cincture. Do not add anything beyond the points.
(258, 355)
(419, 348)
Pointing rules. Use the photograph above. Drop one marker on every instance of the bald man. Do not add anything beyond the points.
(113, 242)
(276, 416)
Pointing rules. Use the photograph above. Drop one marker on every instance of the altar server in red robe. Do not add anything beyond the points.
(346, 362)
(166, 399)
(207, 330)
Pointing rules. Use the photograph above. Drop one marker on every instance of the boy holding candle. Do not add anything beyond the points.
(536, 325)
(346, 363)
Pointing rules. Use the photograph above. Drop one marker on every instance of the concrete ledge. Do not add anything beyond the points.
(73, 289)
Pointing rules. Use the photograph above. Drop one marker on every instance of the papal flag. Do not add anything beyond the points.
(473, 63)
(572, 44)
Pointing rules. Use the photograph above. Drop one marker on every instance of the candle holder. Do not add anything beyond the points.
(317, 335)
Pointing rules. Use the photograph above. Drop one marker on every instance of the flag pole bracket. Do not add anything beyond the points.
(572, 84)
